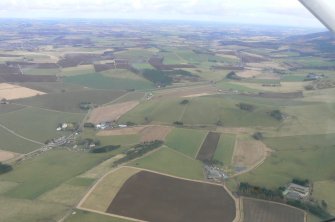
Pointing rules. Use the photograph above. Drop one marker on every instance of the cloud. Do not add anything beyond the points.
(246, 11)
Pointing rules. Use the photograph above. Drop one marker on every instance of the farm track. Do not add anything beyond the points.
(20, 136)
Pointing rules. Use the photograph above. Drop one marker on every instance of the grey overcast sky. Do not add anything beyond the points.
(274, 12)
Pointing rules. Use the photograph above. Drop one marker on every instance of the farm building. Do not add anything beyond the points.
(297, 192)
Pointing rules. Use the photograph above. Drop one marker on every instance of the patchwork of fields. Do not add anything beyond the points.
(225, 106)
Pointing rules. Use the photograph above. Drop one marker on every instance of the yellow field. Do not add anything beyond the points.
(11, 91)
(100, 197)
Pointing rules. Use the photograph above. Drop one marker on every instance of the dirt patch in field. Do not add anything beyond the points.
(248, 154)
(208, 148)
(10, 92)
(264, 211)
(111, 112)
(154, 197)
(152, 133)
(5, 155)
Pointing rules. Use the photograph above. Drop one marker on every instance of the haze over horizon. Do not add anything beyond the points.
(262, 12)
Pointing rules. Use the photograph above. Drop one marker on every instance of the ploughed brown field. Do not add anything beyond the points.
(208, 148)
(263, 211)
(154, 197)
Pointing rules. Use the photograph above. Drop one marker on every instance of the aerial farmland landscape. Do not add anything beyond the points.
(120, 120)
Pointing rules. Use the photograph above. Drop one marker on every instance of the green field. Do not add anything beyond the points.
(41, 71)
(207, 110)
(305, 157)
(211, 109)
(167, 111)
(48, 171)
(186, 141)
(171, 162)
(9, 108)
(99, 81)
(43, 122)
(70, 101)
(324, 190)
(15, 144)
(225, 149)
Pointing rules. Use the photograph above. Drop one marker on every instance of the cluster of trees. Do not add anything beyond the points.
(89, 125)
(185, 102)
(178, 123)
(232, 75)
(246, 107)
(277, 114)
(157, 77)
(258, 136)
(246, 189)
(138, 151)
(85, 105)
(105, 149)
(301, 182)
(314, 207)
(5, 168)
(87, 142)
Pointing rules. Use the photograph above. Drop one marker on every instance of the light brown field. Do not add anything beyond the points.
(249, 153)
(147, 133)
(152, 133)
(5, 155)
(11, 91)
(111, 112)
(121, 131)
(187, 92)
(196, 95)
(250, 73)
(101, 195)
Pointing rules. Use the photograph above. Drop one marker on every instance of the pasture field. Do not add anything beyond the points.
(105, 191)
(13, 210)
(264, 211)
(46, 172)
(85, 216)
(78, 70)
(209, 147)
(295, 157)
(37, 71)
(12, 143)
(7, 108)
(43, 122)
(206, 110)
(53, 87)
(249, 153)
(225, 149)
(122, 74)
(166, 160)
(186, 141)
(167, 111)
(100, 81)
(153, 197)
(324, 190)
(308, 119)
(70, 101)
(211, 109)
(136, 54)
